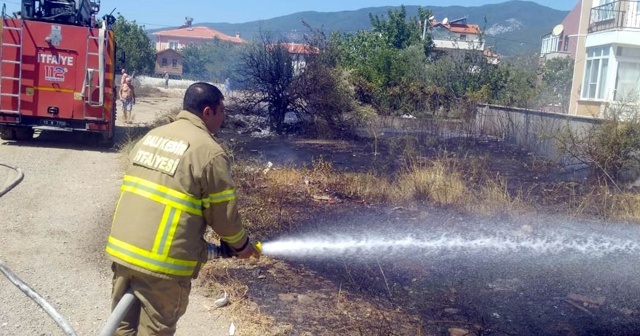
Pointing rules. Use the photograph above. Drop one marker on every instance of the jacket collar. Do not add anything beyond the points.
(194, 119)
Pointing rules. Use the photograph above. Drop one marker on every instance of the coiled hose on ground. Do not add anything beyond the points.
(114, 319)
(48, 308)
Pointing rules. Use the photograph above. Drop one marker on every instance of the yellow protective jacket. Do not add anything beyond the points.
(179, 181)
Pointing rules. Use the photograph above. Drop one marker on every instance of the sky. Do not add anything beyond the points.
(166, 13)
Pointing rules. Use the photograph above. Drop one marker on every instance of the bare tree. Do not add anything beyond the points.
(266, 72)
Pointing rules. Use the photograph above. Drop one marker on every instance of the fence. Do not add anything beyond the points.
(533, 130)
(529, 129)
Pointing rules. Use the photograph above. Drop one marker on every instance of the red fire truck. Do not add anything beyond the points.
(57, 70)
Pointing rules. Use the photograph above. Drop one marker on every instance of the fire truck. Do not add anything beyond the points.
(57, 70)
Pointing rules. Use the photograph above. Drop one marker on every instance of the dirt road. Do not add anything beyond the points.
(53, 230)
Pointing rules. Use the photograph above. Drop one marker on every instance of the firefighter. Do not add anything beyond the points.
(178, 183)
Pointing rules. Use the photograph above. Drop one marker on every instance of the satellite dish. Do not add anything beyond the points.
(431, 18)
(445, 21)
(557, 30)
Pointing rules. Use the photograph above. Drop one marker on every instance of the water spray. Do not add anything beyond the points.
(327, 247)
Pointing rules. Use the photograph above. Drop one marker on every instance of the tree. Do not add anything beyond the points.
(195, 62)
(266, 68)
(215, 60)
(399, 32)
(611, 146)
(132, 39)
(557, 78)
(378, 62)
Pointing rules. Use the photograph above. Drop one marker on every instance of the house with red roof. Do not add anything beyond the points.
(299, 52)
(458, 37)
(170, 42)
(178, 38)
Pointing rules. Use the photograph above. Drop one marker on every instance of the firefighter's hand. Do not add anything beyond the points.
(248, 252)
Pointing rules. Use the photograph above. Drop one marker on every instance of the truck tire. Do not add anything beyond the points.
(8, 134)
(24, 133)
(107, 140)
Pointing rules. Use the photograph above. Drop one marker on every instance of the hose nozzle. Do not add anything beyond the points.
(224, 251)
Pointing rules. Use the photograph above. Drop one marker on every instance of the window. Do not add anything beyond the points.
(463, 37)
(566, 44)
(173, 45)
(164, 62)
(549, 44)
(595, 75)
(628, 74)
(628, 81)
(174, 63)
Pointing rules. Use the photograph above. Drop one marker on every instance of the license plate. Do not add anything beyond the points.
(54, 123)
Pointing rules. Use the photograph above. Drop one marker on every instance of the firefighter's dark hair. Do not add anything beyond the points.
(200, 95)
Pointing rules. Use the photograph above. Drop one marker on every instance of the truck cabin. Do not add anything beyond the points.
(72, 12)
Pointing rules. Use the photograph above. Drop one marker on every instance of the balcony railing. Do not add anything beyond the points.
(615, 15)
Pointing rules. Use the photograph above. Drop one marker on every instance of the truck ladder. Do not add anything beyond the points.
(4, 44)
(99, 58)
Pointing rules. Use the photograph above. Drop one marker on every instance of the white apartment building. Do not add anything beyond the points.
(608, 72)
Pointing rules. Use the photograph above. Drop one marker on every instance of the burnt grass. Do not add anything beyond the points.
(449, 293)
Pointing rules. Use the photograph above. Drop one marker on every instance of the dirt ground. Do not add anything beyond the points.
(55, 224)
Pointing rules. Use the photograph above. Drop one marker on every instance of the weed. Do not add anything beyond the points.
(148, 91)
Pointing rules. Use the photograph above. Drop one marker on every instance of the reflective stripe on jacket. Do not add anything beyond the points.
(178, 182)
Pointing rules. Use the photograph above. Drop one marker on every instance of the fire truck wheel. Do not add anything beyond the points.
(25, 133)
(106, 141)
(7, 134)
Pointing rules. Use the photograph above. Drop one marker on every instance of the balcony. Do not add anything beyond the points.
(615, 15)
(549, 44)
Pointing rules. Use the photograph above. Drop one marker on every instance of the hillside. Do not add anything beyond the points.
(513, 27)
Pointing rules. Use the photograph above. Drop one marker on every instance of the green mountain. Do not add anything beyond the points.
(513, 27)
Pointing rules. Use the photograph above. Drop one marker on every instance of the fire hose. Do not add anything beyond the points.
(128, 299)
(48, 308)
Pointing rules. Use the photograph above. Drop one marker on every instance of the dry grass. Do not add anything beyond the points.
(276, 200)
(494, 198)
(132, 135)
(437, 182)
(325, 310)
(624, 206)
(148, 91)
(166, 117)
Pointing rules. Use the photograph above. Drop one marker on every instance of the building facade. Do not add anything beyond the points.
(610, 73)
(169, 61)
(563, 40)
(179, 38)
(170, 42)
(457, 38)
